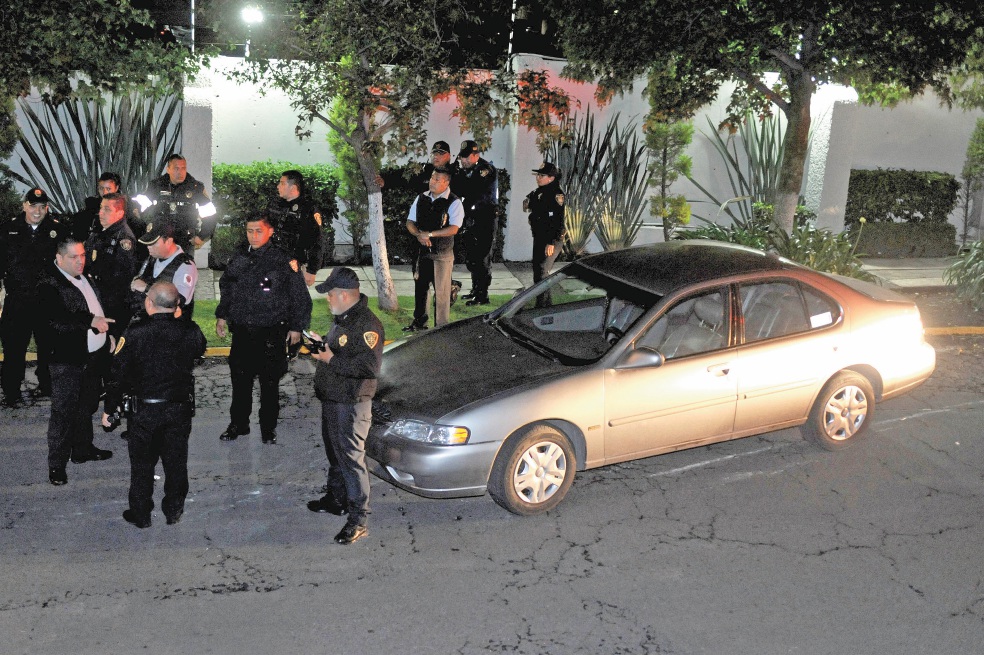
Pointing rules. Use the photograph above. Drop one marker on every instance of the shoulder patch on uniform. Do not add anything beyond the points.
(126, 244)
(94, 253)
(342, 340)
(371, 339)
(317, 218)
(119, 345)
(560, 199)
(293, 265)
(485, 172)
(187, 279)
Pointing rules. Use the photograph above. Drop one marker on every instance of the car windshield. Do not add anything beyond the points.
(575, 316)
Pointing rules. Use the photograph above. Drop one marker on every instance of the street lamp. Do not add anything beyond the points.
(251, 16)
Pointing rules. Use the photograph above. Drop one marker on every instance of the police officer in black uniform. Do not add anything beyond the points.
(297, 225)
(265, 304)
(546, 207)
(166, 262)
(440, 158)
(86, 220)
(180, 198)
(475, 182)
(112, 260)
(345, 382)
(27, 245)
(153, 363)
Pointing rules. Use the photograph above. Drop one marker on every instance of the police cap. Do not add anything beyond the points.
(341, 277)
(36, 196)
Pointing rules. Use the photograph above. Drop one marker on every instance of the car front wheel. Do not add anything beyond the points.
(842, 412)
(533, 471)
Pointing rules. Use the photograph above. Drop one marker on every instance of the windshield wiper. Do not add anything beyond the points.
(526, 341)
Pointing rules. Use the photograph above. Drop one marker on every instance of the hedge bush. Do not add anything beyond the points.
(240, 189)
(889, 196)
(906, 239)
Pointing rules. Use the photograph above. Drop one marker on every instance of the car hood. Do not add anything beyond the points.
(437, 372)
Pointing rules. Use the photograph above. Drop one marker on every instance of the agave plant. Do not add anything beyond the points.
(606, 178)
(967, 275)
(65, 147)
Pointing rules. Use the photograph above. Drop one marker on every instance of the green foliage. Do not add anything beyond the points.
(605, 180)
(690, 50)
(753, 162)
(667, 143)
(972, 175)
(242, 189)
(900, 195)
(11, 202)
(821, 250)
(967, 275)
(65, 148)
(352, 187)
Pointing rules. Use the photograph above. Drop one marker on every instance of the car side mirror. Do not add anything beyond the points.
(641, 358)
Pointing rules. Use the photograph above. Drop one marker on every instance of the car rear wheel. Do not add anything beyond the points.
(842, 412)
(533, 471)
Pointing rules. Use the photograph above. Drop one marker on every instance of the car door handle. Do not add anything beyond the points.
(719, 370)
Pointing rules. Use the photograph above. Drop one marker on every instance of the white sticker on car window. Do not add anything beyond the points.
(819, 320)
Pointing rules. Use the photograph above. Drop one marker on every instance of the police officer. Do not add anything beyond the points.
(475, 182)
(180, 198)
(86, 221)
(79, 350)
(166, 262)
(345, 382)
(546, 207)
(154, 363)
(27, 245)
(112, 260)
(435, 217)
(297, 225)
(265, 304)
(418, 182)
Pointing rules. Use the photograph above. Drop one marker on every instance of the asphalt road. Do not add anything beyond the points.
(762, 545)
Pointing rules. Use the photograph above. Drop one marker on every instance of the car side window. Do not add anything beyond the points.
(694, 325)
(776, 309)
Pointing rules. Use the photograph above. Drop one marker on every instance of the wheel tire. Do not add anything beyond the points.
(533, 471)
(842, 413)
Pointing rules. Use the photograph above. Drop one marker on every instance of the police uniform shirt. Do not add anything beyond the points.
(112, 262)
(260, 289)
(25, 250)
(187, 202)
(546, 204)
(356, 343)
(297, 230)
(477, 187)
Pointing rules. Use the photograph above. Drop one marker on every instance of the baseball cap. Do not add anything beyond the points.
(546, 168)
(467, 148)
(440, 146)
(155, 231)
(341, 277)
(36, 196)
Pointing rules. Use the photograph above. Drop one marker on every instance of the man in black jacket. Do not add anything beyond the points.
(154, 363)
(297, 225)
(77, 327)
(475, 182)
(27, 247)
(546, 207)
(178, 197)
(345, 382)
(266, 305)
(112, 260)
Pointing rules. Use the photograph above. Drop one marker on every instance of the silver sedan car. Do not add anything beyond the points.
(636, 353)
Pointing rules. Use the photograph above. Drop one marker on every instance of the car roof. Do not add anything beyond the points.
(664, 267)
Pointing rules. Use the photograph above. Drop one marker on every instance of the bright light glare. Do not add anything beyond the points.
(252, 15)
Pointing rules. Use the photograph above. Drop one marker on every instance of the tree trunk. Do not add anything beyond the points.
(795, 144)
(377, 235)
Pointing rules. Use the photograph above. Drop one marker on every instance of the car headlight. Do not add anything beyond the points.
(444, 435)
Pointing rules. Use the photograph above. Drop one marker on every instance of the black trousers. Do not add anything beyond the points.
(21, 319)
(478, 254)
(257, 353)
(75, 390)
(344, 428)
(541, 263)
(159, 432)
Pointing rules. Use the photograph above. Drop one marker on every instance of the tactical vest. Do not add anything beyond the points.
(167, 275)
(433, 216)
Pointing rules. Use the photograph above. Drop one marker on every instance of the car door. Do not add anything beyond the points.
(790, 336)
(690, 397)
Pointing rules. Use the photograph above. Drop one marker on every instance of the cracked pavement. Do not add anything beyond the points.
(761, 545)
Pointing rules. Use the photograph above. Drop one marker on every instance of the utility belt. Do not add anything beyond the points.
(136, 402)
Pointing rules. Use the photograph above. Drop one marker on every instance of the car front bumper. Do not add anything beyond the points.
(429, 470)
